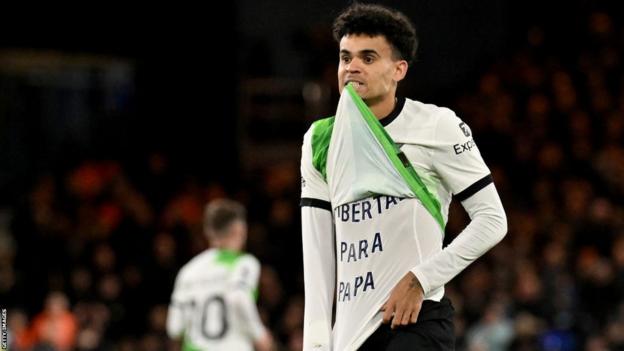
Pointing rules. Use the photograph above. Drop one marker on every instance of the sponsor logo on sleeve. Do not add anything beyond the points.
(467, 146)
(460, 148)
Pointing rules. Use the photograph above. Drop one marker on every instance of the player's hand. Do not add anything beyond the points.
(404, 304)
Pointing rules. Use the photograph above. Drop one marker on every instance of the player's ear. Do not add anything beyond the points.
(400, 70)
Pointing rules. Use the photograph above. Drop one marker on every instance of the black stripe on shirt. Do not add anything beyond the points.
(307, 201)
(398, 107)
(474, 188)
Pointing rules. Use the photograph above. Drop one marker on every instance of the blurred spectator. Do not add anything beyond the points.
(493, 333)
(20, 338)
(56, 325)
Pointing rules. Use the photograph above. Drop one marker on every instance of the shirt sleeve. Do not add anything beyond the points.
(175, 314)
(313, 186)
(462, 170)
(246, 274)
(242, 296)
(318, 254)
(487, 227)
(457, 159)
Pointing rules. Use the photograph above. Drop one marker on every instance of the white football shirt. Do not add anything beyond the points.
(206, 309)
(381, 238)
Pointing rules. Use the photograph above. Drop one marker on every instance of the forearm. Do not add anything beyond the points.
(487, 227)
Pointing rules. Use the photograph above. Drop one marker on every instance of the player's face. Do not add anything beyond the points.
(369, 64)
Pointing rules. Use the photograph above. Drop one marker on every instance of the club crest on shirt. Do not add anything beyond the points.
(465, 129)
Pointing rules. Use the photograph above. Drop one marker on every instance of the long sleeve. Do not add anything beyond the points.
(248, 312)
(318, 254)
(319, 277)
(175, 315)
(487, 227)
(461, 168)
(241, 295)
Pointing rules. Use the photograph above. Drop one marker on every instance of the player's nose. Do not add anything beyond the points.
(354, 66)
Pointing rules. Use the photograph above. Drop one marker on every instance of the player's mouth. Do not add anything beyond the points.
(356, 84)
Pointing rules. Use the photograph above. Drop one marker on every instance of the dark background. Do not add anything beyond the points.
(119, 122)
(187, 65)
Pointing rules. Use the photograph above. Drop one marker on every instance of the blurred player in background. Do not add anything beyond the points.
(213, 301)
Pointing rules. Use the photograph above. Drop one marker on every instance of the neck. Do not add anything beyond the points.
(382, 108)
(225, 244)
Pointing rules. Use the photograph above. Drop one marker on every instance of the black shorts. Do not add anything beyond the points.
(434, 330)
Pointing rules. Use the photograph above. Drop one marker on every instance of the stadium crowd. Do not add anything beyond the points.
(89, 255)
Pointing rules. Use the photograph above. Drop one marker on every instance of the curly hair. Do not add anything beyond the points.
(373, 20)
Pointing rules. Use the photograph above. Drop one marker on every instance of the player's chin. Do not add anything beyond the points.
(361, 93)
(366, 98)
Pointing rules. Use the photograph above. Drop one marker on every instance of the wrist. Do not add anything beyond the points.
(422, 280)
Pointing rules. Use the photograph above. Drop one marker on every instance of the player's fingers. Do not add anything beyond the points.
(415, 313)
(396, 321)
(414, 318)
(398, 316)
(387, 316)
(383, 308)
(406, 317)
(388, 311)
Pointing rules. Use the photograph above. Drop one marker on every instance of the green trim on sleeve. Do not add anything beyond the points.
(321, 135)
(398, 159)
